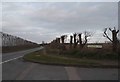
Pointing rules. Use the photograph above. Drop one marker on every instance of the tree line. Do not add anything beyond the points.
(77, 39)
(10, 40)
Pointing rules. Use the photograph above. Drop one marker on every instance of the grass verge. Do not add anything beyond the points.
(51, 59)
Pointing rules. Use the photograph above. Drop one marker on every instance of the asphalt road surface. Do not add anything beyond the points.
(15, 68)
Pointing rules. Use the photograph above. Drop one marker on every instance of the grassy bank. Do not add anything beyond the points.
(54, 59)
(98, 54)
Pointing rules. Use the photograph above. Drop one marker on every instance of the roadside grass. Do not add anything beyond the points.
(87, 54)
(40, 57)
(9, 49)
(99, 55)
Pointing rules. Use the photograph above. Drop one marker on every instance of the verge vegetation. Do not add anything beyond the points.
(69, 59)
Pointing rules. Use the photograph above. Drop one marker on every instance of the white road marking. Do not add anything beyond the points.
(72, 73)
(18, 52)
(10, 59)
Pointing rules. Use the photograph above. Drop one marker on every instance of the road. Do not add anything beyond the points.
(15, 68)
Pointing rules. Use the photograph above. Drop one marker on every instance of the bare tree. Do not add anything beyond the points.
(80, 40)
(82, 43)
(75, 39)
(63, 37)
(58, 40)
(114, 39)
(71, 41)
(87, 34)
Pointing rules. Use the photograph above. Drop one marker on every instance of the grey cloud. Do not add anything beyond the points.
(54, 19)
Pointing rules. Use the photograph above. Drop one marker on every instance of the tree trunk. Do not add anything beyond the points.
(71, 38)
(114, 43)
(75, 40)
(80, 41)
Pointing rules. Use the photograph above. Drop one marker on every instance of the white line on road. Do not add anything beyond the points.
(10, 59)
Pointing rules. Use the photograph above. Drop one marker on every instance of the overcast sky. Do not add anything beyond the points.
(42, 21)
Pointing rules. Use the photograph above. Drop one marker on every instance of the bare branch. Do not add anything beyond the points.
(108, 37)
(110, 29)
(105, 34)
(86, 35)
(105, 30)
(114, 28)
(117, 31)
